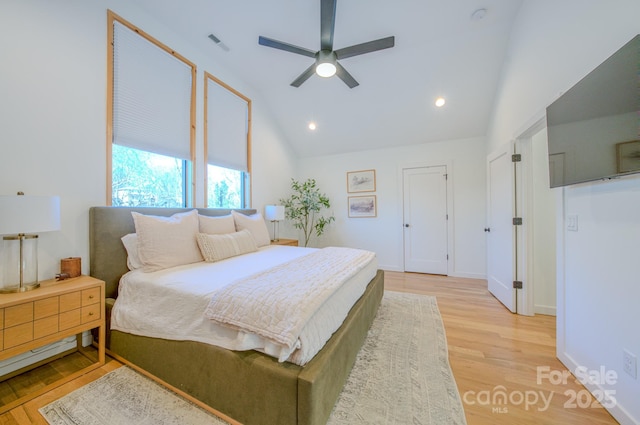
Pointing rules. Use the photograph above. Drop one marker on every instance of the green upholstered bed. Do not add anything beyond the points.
(249, 386)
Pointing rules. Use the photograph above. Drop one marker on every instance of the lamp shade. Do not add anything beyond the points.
(274, 212)
(29, 214)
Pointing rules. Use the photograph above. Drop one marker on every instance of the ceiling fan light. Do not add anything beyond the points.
(326, 69)
(326, 63)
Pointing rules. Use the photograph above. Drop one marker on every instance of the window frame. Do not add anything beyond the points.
(247, 180)
(189, 187)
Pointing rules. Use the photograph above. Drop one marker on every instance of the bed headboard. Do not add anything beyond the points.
(107, 256)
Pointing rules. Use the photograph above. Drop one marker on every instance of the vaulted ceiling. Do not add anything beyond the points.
(442, 48)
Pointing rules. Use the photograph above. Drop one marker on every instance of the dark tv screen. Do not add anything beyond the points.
(594, 127)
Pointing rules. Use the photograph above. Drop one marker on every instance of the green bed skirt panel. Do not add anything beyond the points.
(225, 380)
(322, 379)
(254, 388)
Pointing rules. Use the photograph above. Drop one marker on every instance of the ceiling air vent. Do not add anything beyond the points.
(219, 43)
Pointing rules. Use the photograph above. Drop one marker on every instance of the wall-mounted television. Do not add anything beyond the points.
(593, 129)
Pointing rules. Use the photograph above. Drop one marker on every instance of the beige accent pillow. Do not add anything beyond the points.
(130, 243)
(255, 224)
(219, 247)
(217, 225)
(165, 242)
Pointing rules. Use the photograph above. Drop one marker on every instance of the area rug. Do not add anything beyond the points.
(125, 397)
(402, 373)
(401, 377)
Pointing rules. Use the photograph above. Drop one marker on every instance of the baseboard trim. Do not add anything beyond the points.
(469, 275)
(617, 411)
(545, 309)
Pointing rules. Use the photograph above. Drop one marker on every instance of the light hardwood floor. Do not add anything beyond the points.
(43, 375)
(490, 349)
(493, 352)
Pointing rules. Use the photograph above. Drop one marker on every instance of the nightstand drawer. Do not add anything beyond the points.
(90, 313)
(91, 296)
(70, 301)
(18, 335)
(69, 319)
(45, 308)
(18, 314)
(44, 327)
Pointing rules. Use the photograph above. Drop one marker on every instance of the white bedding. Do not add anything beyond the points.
(170, 303)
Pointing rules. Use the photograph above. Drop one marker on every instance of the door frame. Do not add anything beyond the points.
(524, 205)
(450, 212)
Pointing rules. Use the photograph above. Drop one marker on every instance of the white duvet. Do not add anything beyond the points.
(170, 303)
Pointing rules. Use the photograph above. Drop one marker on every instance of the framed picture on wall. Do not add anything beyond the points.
(361, 181)
(628, 156)
(362, 206)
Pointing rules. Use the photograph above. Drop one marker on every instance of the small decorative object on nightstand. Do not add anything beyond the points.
(290, 242)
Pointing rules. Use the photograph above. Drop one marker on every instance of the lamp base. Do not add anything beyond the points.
(275, 231)
(21, 263)
(23, 288)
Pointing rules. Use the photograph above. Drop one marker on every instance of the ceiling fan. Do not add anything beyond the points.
(326, 64)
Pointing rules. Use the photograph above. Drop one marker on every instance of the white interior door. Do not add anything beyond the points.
(425, 219)
(500, 229)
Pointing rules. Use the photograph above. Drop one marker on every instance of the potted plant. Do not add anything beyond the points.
(304, 208)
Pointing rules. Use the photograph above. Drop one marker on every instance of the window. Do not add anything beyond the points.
(141, 178)
(227, 145)
(225, 187)
(151, 121)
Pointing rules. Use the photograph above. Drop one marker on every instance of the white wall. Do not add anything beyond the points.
(53, 114)
(384, 234)
(554, 44)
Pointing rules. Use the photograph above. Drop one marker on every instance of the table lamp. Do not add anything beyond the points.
(274, 213)
(22, 216)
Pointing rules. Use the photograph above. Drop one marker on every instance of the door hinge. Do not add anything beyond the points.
(446, 176)
(516, 157)
(447, 257)
(517, 284)
(517, 221)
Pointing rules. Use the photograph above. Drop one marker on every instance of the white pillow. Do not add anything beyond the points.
(217, 225)
(130, 243)
(255, 224)
(165, 242)
(219, 247)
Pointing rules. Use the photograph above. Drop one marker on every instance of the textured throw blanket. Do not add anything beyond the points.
(277, 303)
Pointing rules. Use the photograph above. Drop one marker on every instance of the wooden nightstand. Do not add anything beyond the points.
(56, 310)
(291, 242)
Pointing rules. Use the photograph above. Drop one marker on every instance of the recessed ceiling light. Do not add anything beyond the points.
(312, 126)
(440, 102)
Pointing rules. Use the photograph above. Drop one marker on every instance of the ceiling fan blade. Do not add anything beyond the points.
(304, 76)
(345, 76)
(270, 42)
(327, 23)
(370, 46)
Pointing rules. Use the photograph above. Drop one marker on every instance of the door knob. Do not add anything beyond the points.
(487, 229)
(406, 225)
